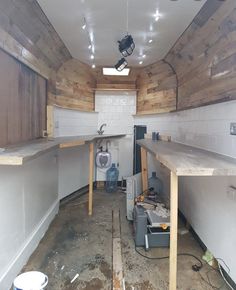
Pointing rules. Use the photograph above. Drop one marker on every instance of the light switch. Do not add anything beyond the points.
(233, 128)
(231, 192)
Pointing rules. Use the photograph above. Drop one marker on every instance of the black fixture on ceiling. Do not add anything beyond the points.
(126, 45)
(121, 64)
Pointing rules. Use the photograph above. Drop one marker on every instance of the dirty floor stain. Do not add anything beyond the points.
(79, 244)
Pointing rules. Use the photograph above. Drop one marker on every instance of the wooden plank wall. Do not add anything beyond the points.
(23, 102)
(26, 33)
(156, 86)
(205, 56)
(115, 82)
(73, 87)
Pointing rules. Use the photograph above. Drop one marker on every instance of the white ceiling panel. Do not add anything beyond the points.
(107, 21)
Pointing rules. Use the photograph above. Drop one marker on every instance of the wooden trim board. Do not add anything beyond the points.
(173, 231)
(117, 282)
(144, 169)
(91, 170)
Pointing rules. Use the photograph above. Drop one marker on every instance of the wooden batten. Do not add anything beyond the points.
(50, 121)
(116, 87)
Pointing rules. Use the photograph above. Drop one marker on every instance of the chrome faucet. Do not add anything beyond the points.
(100, 131)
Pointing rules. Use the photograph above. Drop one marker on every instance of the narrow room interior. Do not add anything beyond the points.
(117, 144)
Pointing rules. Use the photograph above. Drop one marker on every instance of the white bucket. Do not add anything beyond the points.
(32, 280)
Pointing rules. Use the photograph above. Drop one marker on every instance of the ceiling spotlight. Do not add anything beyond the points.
(126, 45)
(90, 46)
(93, 65)
(141, 62)
(157, 15)
(84, 26)
(121, 64)
(150, 41)
(92, 56)
(144, 55)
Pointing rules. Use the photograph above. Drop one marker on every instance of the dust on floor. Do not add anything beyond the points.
(79, 244)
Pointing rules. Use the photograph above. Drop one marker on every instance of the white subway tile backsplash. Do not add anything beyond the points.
(206, 127)
(73, 122)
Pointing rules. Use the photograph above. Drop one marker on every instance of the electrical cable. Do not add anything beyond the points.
(221, 272)
(198, 267)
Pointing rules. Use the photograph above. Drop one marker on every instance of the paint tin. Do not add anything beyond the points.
(32, 280)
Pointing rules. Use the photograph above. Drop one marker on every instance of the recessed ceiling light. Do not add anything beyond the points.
(144, 55)
(93, 65)
(150, 41)
(92, 56)
(110, 71)
(90, 46)
(141, 62)
(84, 26)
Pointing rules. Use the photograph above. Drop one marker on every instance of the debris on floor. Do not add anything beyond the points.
(76, 252)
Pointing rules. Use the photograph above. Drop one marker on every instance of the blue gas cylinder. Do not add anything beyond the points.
(112, 175)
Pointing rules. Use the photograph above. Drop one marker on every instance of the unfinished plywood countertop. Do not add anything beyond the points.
(19, 154)
(186, 160)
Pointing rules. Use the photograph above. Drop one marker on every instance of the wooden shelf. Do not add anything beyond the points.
(186, 160)
(124, 90)
(19, 154)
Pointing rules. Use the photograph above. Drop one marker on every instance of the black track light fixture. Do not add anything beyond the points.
(126, 45)
(121, 64)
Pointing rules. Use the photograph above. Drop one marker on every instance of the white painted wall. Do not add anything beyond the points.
(73, 169)
(73, 162)
(116, 109)
(204, 200)
(28, 203)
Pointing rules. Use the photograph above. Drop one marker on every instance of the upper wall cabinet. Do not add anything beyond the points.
(156, 86)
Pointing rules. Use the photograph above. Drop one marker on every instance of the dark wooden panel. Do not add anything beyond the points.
(23, 102)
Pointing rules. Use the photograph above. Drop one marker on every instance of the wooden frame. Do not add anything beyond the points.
(182, 160)
(173, 218)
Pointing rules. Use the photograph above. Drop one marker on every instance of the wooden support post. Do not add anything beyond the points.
(50, 121)
(91, 171)
(117, 269)
(144, 169)
(173, 231)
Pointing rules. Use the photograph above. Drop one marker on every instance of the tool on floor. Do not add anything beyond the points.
(151, 226)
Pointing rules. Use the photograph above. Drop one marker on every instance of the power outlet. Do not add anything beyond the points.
(231, 192)
(233, 128)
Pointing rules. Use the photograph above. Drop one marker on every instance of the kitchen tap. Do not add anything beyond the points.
(100, 131)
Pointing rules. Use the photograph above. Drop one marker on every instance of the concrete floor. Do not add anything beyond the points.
(76, 243)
